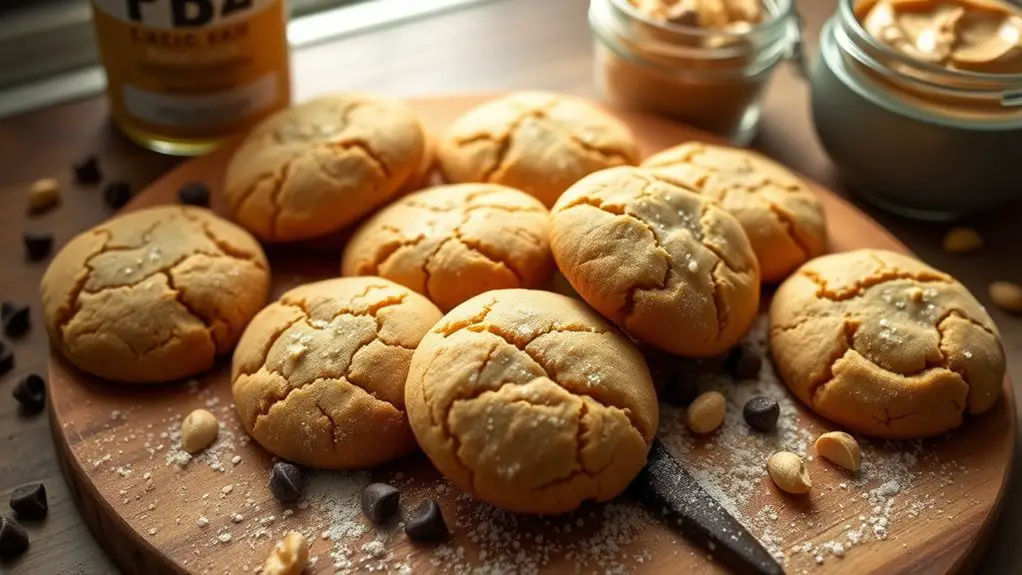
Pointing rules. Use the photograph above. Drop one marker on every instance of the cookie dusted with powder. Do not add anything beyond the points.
(782, 217)
(537, 142)
(450, 243)
(154, 295)
(663, 262)
(531, 401)
(317, 167)
(885, 345)
(319, 375)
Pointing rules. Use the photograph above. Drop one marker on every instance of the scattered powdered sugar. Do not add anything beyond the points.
(730, 465)
(336, 495)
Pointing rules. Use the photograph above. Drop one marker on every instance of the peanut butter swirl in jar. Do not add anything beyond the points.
(970, 35)
(919, 102)
(703, 62)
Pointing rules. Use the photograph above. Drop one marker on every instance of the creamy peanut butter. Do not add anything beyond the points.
(726, 15)
(971, 35)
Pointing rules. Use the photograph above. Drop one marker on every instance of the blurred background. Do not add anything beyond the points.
(48, 55)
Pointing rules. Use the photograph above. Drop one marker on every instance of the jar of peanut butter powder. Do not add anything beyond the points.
(702, 62)
(919, 102)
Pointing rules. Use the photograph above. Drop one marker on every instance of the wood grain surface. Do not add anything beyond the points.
(113, 443)
(499, 45)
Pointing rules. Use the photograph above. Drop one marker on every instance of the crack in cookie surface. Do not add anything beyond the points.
(896, 322)
(218, 248)
(347, 309)
(695, 226)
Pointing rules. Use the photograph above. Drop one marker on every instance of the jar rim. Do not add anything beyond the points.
(777, 20)
(852, 23)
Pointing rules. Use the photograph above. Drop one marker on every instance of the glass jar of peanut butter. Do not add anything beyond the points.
(919, 102)
(702, 62)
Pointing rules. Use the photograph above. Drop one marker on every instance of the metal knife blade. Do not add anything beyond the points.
(669, 491)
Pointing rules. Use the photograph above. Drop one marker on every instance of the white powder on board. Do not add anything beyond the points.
(730, 466)
(337, 497)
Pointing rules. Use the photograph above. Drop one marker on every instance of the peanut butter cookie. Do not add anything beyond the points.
(531, 401)
(884, 344)
(537, 142)
(319, 375)
(450, 243)
(663, 262)
(782, 217)
(315, 168)
(154, 295)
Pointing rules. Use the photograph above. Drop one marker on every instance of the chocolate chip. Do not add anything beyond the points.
(116, 194)
(87, 171)
(193, 194)
(426, 523)
(31, 393)
(38, 245)
(13, 538)
(6, 359)
(7, 308)
(16, 320)
(743, 363)
(286, 481)
(29, 501)
(380, 502)
(761, 413)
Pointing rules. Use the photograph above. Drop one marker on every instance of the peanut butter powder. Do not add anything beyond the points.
(982, 36)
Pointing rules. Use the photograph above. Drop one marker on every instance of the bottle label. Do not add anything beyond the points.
(193, 69)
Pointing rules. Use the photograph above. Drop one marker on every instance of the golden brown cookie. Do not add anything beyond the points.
(884, 344)
(154, 295)
(531, 401)
(663, 262)
(450, 243)
(782, 217)
(537, 142)
(317, 167)
(319, 375)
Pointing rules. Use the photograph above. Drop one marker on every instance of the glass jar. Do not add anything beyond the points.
(914, 137)
(710, 79)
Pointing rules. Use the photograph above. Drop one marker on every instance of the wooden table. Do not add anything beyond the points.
(499, 45)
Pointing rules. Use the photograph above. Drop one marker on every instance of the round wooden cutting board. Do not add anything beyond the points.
(921, 507)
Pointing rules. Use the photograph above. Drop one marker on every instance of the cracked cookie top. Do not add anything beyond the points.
(537, 142)
(317, 167)
(663, 262)
(450, 243)
(318, 377)
(154, 295)
(782, 217)
(884, 344)
(531, 401)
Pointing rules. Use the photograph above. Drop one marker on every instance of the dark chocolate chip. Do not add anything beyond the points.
(761, 413)
(38, 245)
(193, 194)
(743, 363)
(116, 194)
(16, 321)
(286, 481)
(6, 358)
(13, 538)
(7, 308)
(31, 393)
(426, 523)
(29, 501)
(380, 502)
(87, 171)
